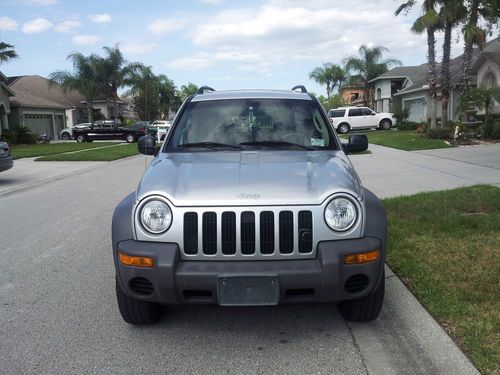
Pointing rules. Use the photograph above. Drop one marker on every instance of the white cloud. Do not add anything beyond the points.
(138, 48)
(85, 39)
(37, 25)
(166, 25)
(199, 61)
(8, 24)
(44, 2)
(67, 26)
(100, 18)
(211, 2)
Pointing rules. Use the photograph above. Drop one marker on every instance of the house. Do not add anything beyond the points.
(5, 95)
(353, 95)
(407, 86)
(38, 106)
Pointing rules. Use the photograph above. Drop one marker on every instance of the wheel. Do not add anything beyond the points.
(134, 311)
(130, 138)
(80, 138)
(90, 140)
(385, 124)
(366, 308)
(343, 128)
(66, 136)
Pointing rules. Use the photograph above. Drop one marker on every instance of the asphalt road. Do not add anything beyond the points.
(58, 313)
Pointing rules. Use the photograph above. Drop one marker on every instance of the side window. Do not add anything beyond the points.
(355, 112)
(366, 112)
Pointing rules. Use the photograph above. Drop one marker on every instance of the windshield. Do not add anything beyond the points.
(251, 123)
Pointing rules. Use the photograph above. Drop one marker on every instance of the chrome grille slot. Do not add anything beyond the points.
(238, 233)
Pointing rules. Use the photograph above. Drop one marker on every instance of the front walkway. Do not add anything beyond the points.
(390, 172)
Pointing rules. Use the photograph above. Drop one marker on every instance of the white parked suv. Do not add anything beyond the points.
(346, 118)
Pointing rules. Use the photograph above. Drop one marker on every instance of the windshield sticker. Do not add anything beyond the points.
(317, 142)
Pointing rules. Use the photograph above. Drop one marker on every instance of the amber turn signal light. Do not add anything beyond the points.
(130, 260)
(362, 257)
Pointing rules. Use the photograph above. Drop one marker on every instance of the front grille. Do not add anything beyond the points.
(248, 233)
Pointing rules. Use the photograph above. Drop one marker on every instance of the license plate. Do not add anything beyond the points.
(249, 291)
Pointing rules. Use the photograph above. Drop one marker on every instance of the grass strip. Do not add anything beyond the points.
(445, 246)
(101, 154)
(29, 151)
(405, 140)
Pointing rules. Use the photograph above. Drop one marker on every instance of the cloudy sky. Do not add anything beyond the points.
(222, 43)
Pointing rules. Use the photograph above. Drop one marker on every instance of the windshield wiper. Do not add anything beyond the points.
(278, 144)
(211, 145)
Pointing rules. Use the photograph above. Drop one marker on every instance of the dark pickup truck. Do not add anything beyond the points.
(109, 131)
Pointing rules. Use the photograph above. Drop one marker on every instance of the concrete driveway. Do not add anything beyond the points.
(390, 172)
(58, 312)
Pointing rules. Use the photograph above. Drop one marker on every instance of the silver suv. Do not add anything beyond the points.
(250, 200)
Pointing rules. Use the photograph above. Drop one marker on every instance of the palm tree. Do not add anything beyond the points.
(113, 70)
(367, 65)
(474, 34)
(484, 97)
(427, 22)
(7, 52)
(167, 91)
(330, 75)
(187, 90)
(144, 89)
(83, 79)
(451, 13)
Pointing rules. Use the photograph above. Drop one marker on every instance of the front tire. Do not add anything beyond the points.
(130, 138)
(138, 312)
(80, 138)
(343, 128)
(364, 309)
(65, 136)
(385, 124)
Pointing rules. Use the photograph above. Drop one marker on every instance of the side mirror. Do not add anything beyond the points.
(357, 143)
(147, 145)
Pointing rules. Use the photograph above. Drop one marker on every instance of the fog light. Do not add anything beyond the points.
(130, 260)
(362, 257)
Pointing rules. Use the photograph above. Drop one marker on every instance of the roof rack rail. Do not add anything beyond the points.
(302, 89)
(204, 89)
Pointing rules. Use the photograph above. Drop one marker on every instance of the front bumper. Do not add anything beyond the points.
(6, 163)
(323, 279)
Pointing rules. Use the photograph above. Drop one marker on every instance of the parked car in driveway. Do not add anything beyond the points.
(251, 201)
(6, 161)
(159, 129)
(108, 130)
(67, 133)
(344, 119)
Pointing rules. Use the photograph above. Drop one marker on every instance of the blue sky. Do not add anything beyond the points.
(227, 44)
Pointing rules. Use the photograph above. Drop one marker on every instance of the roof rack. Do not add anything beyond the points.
(302, 89)
(204, 90)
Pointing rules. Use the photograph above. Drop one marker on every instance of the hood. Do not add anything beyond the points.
(249, 178)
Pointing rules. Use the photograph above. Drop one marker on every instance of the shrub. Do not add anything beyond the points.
(438, 133)
(408, 125)
(488, 127)
(495, 133)
(401, 115)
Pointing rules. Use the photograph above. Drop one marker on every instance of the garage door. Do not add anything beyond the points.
(418, 109)
(39, 123)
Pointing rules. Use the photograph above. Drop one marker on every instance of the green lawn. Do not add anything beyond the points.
(405, 140)
(103, 154)
(28, 151)
(445, 246)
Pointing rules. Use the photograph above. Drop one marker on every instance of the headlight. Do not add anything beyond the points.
(340, 214)
(156, 216)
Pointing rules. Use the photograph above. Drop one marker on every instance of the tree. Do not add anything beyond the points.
(484, 97)
(367, 65)
(7, 52)
(475, 35)
(330, 75)
(83, 79)
(168, 93)
(144, 89)
(451, 13)
(428, 23)
(187, 90)
(112, 73)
